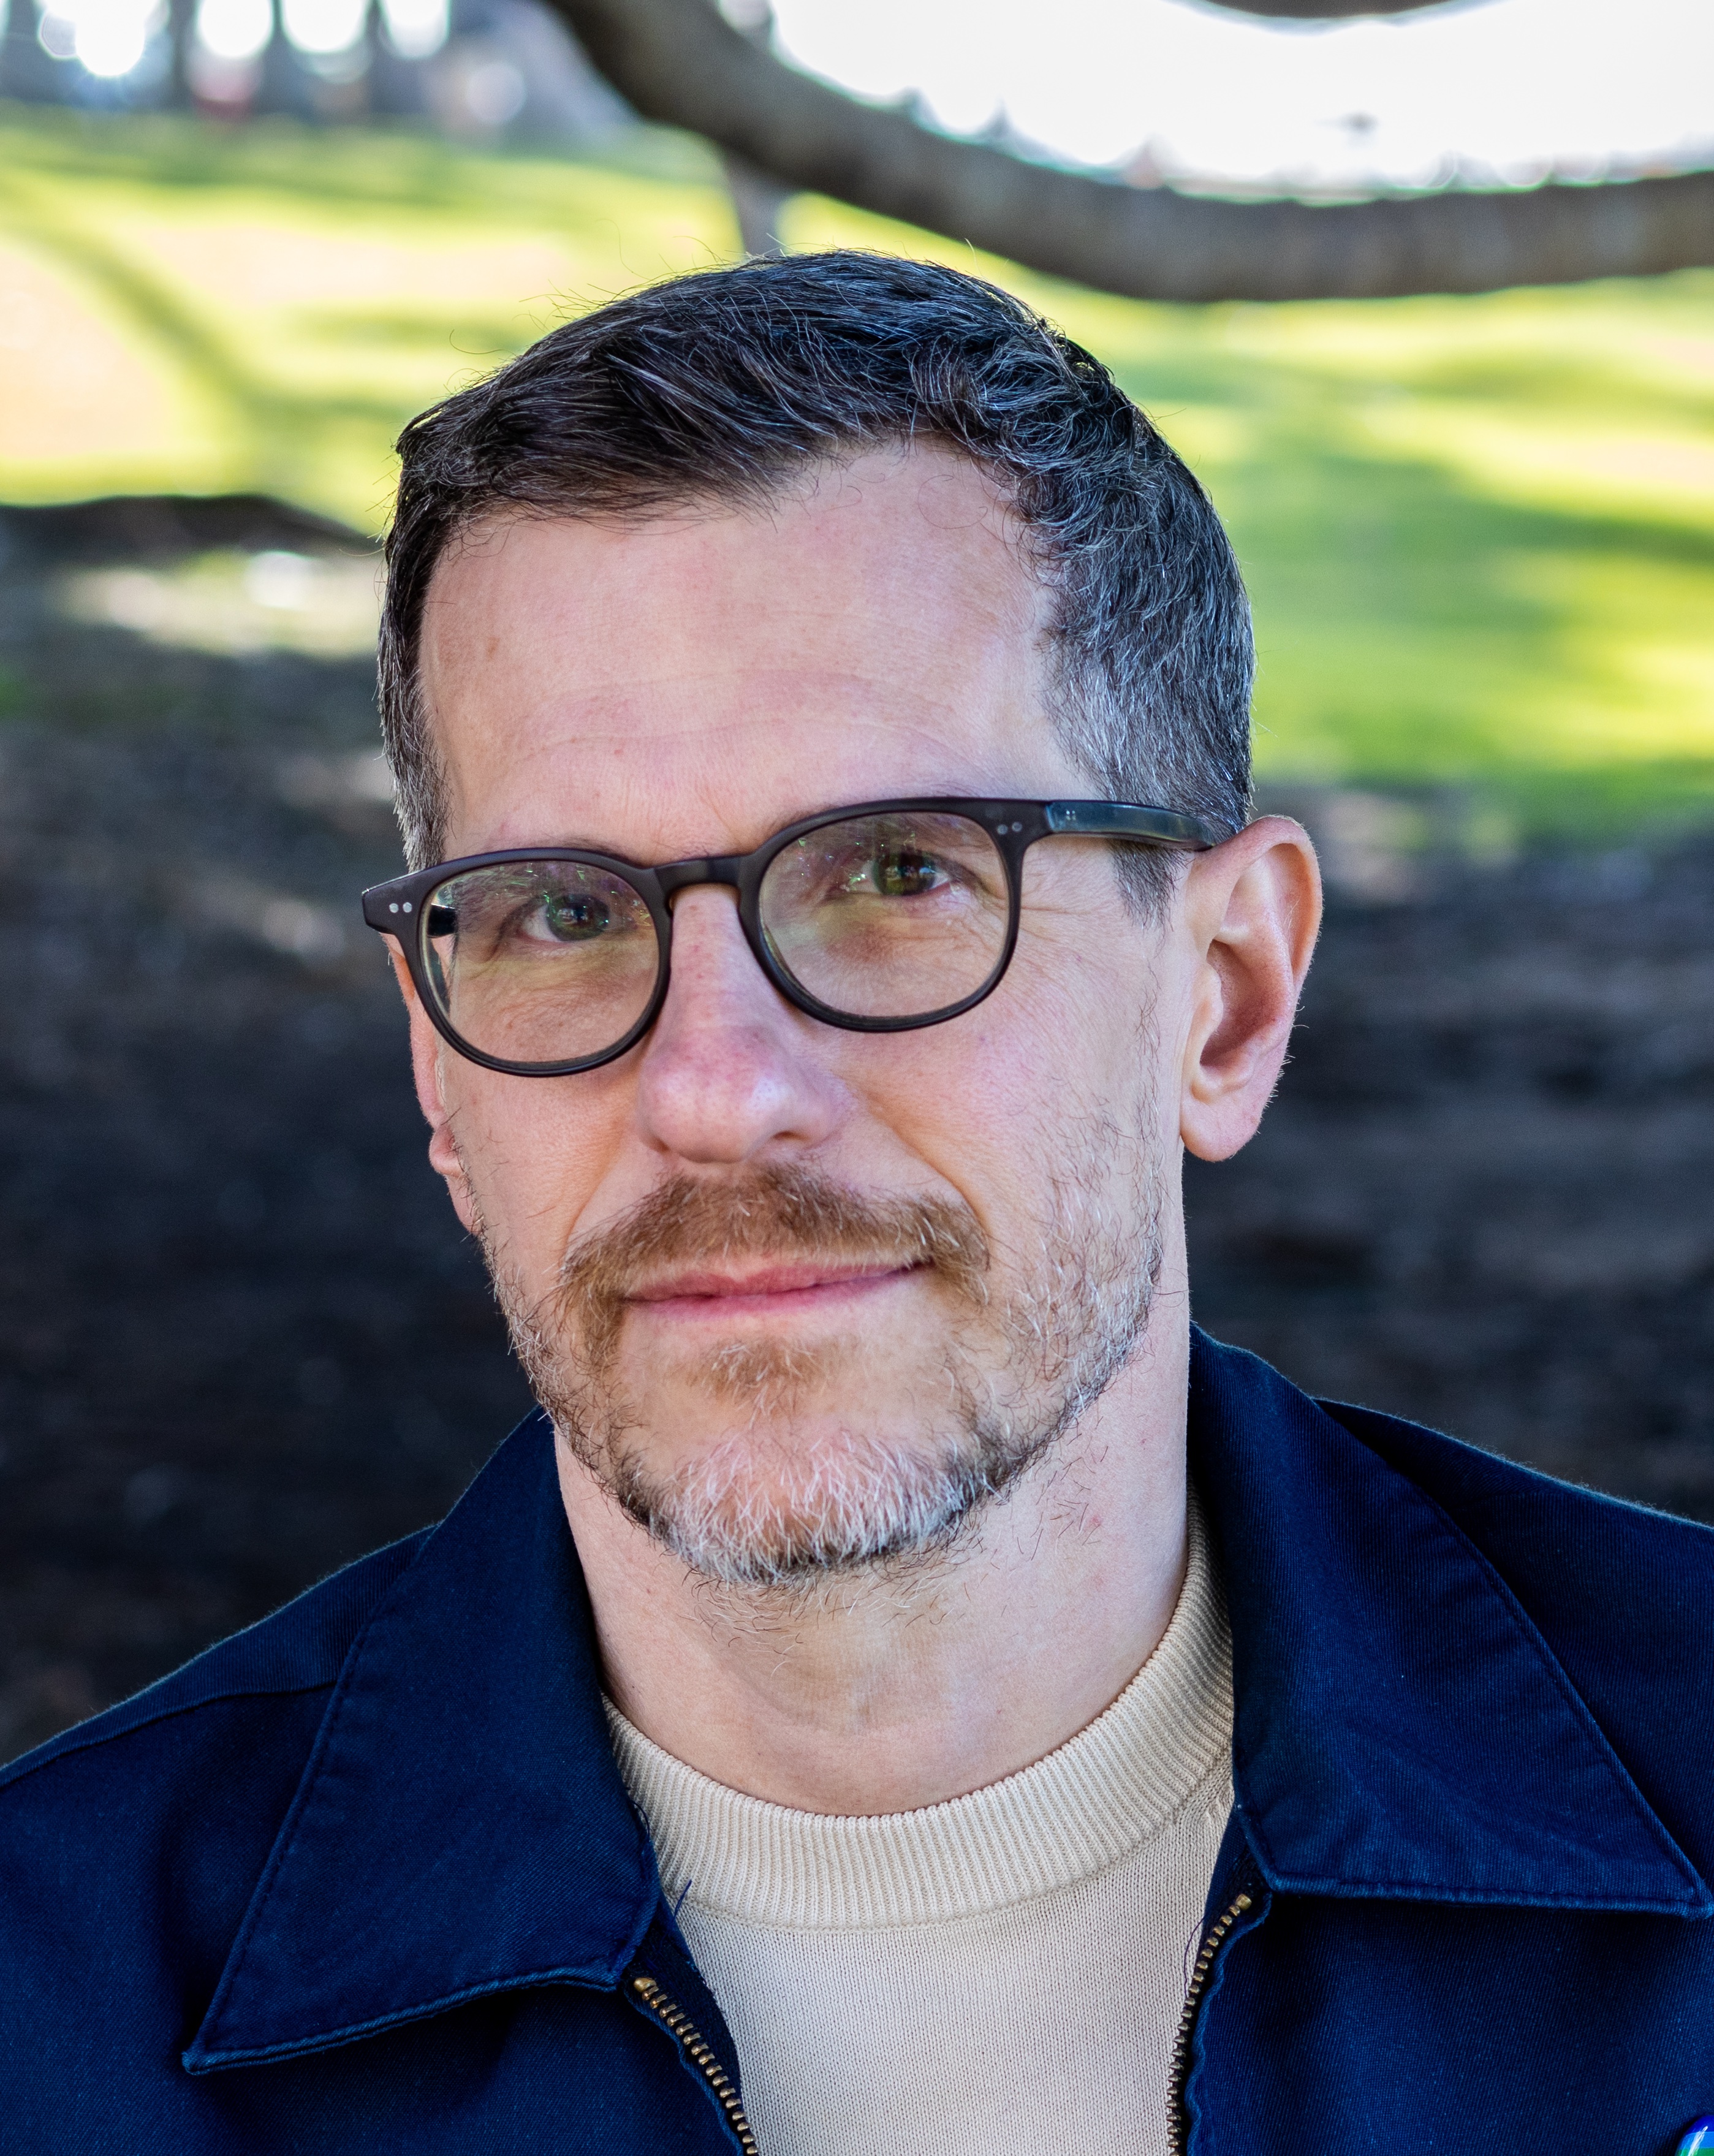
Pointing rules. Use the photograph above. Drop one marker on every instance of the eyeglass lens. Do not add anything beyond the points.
(890, 916)
(540, 962)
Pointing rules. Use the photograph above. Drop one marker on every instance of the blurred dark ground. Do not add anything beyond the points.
(241, 1338)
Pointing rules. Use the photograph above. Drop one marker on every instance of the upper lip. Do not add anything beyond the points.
(780, 1277)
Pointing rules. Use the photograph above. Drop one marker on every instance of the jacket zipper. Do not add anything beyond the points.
(1176, 2122)
(673, 2017)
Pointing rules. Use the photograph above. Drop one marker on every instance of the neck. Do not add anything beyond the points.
(889, 1691)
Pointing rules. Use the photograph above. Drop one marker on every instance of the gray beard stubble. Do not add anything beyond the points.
(766, 1509)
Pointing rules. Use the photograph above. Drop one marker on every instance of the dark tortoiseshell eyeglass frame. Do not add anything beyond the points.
(403, 908)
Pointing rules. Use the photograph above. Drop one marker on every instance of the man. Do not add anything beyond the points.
(906, 1690)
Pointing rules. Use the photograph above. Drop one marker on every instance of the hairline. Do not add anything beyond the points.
(1035, 560)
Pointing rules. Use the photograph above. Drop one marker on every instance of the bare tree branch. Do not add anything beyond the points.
(680, 62)
(1320, 11)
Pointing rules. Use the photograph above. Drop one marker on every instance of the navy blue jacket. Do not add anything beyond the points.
(365, 1877)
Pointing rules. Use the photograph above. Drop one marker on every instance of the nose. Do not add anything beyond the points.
(729, 1069)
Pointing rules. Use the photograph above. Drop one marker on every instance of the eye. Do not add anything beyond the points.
(575, 916)
(903, 872)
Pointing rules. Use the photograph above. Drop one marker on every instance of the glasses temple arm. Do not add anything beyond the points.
(1124, 819)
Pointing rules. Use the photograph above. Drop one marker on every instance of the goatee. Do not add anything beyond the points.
(769, 1504)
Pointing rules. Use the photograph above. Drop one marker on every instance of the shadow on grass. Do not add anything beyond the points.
(1416, 626)
(270, 412)
(375, 167)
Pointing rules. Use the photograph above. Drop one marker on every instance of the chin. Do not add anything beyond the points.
(802, 1500)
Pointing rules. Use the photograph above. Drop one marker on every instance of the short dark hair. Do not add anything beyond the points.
(727, 384)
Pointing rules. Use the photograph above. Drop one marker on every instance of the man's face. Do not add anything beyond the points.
(799, 1297)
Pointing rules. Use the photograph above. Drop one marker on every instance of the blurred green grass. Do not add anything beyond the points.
(1479, 533)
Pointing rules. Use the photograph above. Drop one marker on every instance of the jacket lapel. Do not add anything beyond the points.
(461, 1827)
(1402, 1729)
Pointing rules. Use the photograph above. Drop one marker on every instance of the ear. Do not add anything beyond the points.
(428, 1051)
(1251, 908)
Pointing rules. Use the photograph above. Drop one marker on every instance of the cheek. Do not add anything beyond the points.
(1075, 1032)
(536, 1151)
(999, 1102)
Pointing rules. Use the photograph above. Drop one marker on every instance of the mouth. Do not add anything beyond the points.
(766, 1292)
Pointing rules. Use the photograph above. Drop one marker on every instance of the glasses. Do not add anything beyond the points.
(546, 960)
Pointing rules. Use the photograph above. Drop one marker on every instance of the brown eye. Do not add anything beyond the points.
(541, 963)
(904, 873)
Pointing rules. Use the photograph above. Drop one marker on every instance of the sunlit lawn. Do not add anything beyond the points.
(1480, 533)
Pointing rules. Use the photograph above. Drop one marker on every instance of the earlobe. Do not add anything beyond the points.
(425, 1046)
(1253, 907)
(447, 1163)
(426, 1066)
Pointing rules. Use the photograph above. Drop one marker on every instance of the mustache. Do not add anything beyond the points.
(783, 1210)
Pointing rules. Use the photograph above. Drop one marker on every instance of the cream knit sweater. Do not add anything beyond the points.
(1000, 1975)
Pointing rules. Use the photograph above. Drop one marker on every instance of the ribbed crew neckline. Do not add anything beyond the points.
(1164, 1742)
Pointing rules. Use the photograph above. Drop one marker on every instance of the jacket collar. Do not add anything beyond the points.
(1403, 1730)
(460, 1827)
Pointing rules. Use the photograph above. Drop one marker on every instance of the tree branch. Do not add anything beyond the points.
(1319, 10)
(679, 62)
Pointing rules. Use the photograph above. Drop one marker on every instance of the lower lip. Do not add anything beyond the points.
(822, 1297)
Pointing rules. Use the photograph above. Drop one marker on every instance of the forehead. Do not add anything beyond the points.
(691, 680)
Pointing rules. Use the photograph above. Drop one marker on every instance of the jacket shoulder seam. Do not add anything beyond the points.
(408, 1548)
(23, 1769)
(1349, 1414)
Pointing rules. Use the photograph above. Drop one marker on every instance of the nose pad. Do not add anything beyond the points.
(721, 874)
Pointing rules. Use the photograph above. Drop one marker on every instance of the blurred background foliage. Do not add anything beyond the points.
(1479, 531)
